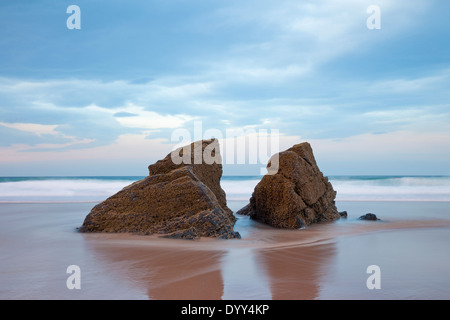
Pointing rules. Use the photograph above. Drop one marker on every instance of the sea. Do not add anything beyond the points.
(237, 188)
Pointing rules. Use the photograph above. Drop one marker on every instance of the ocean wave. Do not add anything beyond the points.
(358, 188)
(60, 190)
(392, 189)
(367, 188)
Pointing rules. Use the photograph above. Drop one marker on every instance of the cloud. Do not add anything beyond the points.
(129, 154)
(138, 117)
(42, 132)
(169, 103)
(124, 114)
(411, 85)
(401, 152)
(38, 129)
(297, 66)
(291, 39)
(42, 103)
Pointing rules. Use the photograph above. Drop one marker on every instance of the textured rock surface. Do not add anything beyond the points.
(296, 196)
(179, 201)
(343, 214)
(369, 216)
(209, 174)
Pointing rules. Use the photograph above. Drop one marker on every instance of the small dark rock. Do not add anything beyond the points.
(343, 214)
(245, 211)
(369, 216)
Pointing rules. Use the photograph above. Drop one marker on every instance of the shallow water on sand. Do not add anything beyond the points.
(325, 261)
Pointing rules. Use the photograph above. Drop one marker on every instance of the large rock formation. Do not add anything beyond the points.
(296, 196)
(177, 199)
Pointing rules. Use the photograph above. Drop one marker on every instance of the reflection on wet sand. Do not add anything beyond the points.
(168, 273)
(295, 273)
(214, 269)
(266, 264)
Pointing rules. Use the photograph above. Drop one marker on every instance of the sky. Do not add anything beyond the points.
(108, 98)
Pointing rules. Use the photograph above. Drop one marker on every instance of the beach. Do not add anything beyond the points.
(224, 150)
(39, 240)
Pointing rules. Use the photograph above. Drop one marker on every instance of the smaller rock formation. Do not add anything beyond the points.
(180, 199)
(295, 196)
(343, 214)
(369, 217)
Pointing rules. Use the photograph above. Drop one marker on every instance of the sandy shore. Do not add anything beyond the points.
(326, 261)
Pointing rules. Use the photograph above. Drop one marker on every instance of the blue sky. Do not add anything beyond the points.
(105, 100)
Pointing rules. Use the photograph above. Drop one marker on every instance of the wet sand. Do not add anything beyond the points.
(324, 261)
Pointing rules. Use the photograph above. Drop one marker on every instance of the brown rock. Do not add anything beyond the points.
(185, 199)
(343, 214)
(209, 174)
(369, 217)
(296, 196)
